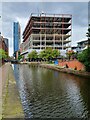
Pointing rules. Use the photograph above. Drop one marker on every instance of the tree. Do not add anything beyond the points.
(49, 53)
(55, 53)
(20, 57)
(88, 35)
(84, 57)
(42, 54)
(33, 55)
(3, 54)
(70, 53)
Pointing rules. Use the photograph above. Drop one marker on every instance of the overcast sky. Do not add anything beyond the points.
(20, 11)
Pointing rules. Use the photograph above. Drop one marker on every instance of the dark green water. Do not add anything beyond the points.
(51, 94)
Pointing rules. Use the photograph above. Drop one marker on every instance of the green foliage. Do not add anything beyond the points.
(84, 57)
(70, 53)
(55, 53)
(19, 57)
(49, 53)
(42, 54)
(33, 54)
(88, 35)
(3, 54)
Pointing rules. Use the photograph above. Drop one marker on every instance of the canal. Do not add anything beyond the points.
(47, 93)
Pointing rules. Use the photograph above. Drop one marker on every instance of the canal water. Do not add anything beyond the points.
(51, 94)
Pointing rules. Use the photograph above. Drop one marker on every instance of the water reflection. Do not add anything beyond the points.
(50, 94)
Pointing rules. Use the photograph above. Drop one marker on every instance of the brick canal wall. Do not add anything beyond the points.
(74, 64)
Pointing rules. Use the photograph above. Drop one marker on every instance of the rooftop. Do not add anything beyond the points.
(82, 40)
(50, 15)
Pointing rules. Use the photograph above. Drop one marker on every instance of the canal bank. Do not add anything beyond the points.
(11, 103)
(66, 70)
(60, 69)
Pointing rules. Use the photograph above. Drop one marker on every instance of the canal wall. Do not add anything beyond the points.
(66, 70)
(61, 68)
(74, 64)
(11, 103)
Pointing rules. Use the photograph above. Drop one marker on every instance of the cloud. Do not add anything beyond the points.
(78, 33)
(0, 17)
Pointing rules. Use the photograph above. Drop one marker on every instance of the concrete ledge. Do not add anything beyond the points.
(11, 106)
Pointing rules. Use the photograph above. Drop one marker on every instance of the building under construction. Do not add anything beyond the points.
(48, 30)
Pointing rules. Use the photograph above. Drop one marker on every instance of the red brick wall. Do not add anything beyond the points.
(0, 44)
(3, 45)
(72, 64)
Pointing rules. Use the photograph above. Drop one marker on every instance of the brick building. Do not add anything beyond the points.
(4, 44)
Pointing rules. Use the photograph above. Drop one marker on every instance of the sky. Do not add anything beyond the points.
(21, 11)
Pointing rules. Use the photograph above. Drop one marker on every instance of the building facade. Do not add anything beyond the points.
(16, 37)
(4, 44)
(47, 31)
(82, 44)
